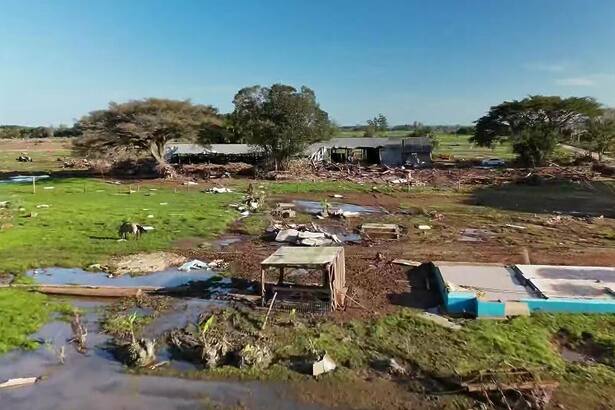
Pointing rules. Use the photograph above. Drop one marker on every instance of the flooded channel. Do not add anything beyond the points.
(168, 278)
(95, 380)
(316, 207)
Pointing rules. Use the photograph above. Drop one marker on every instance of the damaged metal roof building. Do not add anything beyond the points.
(415, 151)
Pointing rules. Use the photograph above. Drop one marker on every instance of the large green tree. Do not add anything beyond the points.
(280, 120)
(599, 135)
(144, 126)
(377, 126)
(526, 122)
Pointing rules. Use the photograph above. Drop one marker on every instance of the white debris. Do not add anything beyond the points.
(245, 214)
(515, 226)
(350, 214)
(164, 203)
(310, 235)
(190, 183)
(440, 320)
(314, 242)
(424, 227)
(337, 196)
(287, 235)
(42, 206)
(216, 190)
(395, 368)
(216, 264)
(4, 204)
(194, 264)
(49, 187)
(150, 216)
(21, 381)
(325, 365)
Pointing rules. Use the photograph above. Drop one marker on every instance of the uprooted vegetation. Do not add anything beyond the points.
(418, 356)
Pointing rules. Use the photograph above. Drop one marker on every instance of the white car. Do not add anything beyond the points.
(492, 162)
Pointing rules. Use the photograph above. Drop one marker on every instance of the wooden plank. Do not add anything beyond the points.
(80, 290)
(22, 381)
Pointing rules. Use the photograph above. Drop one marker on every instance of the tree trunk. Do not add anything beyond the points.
(163, 168)
(156, 148)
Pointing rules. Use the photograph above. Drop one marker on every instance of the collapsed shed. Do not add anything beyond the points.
(415, 151)
(327, 292)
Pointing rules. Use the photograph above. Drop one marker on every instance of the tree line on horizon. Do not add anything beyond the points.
(283, 120)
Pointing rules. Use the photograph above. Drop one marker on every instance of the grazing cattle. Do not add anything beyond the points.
(128, 228)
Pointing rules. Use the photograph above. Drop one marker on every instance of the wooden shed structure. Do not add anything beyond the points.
(328, 260)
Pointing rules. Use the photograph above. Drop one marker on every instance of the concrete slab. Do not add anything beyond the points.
(492, 282)
(580, 282)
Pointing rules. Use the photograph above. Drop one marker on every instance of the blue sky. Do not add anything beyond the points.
(432, 61)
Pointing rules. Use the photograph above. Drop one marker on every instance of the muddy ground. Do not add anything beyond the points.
(549, 224)
(461, 230)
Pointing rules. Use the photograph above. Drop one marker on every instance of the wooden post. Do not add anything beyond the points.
(34, 185)
(262, 286)
(281, 276)
(269, 311)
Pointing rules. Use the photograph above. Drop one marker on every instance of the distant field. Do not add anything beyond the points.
(458, 146)
(44, 154)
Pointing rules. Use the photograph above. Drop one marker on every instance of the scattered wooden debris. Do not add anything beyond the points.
(83, 290)
(501, 389)
(392, 231)
(406, 262)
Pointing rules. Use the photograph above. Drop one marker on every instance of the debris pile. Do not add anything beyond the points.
(212, 171)
(222, 338)
(137, 353)
(196, 264)
(452, 177)
(251, 202)
(511, 388)
(257, 355)
(74, 163)
(218, 190)
(302, 235)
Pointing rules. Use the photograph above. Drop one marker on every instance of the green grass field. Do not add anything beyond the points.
(460, 147)
(22, 313)
(44, 154)
(76, 222)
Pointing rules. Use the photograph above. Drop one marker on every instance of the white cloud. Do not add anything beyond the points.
(587, 81)
(548, 67)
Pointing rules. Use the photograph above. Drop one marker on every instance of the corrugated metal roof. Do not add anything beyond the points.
(411, 143)
(193, 149)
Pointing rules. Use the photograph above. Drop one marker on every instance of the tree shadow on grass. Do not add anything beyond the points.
(579, 199)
